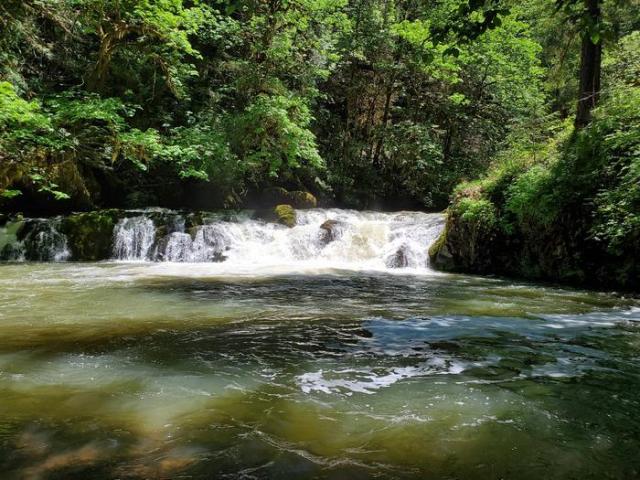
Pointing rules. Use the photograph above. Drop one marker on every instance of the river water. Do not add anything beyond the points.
(296, 356)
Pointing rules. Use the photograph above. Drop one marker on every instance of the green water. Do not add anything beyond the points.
(167, 371)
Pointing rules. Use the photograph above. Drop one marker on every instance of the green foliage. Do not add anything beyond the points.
(531, 197)
(477, 211)
(614, 139)
(371, 103)
(201, 152)
(272, 135)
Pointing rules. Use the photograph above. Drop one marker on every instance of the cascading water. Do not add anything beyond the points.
(133, 238)
(326, 237)
(35, 239)
(322, 238)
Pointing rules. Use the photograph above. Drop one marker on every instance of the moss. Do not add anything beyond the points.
(285, 215)
(437, 246)
(299, 199)
(90, 235)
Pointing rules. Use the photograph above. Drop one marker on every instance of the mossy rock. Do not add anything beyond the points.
(439, 255)
(274, 196)
(299, 199)
(285, 215)
(90, 235)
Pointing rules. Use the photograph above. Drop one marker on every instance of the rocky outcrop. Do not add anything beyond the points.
(563, 252)
(90, 235)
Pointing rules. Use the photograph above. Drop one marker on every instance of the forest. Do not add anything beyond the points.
(319, 239)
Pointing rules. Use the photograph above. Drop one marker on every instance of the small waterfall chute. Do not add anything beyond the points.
(34, 239)
(133, 238)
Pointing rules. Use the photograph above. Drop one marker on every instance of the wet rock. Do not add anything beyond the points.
(90, 235)
(330, 231)
(42, 240)
(282, 214)
(300, 199)
(219, 257)
(398, 259)
(194, 220)
(286, 215)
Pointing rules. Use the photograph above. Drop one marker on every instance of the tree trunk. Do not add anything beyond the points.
(590, 62)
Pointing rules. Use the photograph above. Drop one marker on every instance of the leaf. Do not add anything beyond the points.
(10, 193)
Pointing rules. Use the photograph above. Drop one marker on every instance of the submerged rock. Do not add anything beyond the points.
(398, 259)
(330, 231)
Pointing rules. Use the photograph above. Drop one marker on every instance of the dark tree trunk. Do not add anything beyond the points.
(590, 61)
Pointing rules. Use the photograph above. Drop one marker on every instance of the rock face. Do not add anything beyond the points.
(561, 253)
(90, 235)
(463, 247)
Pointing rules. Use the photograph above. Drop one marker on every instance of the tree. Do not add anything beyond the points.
(590, 63)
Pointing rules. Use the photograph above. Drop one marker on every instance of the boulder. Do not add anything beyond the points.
(297, 199)
(329, 230)
(285, 215)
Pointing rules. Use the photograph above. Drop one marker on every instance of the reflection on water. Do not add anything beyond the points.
(176, 371)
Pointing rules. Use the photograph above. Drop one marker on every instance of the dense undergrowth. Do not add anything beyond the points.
(564, 209)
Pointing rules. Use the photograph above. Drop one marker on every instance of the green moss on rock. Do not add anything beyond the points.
(285, 215)
(90, 235)
(299, 199)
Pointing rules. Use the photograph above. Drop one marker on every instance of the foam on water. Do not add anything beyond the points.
(323, 240)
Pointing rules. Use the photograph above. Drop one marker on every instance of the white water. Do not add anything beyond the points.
(357, 240)
(322, 239)
(43, 241)
(133, 238)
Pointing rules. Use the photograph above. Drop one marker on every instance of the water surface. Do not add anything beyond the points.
(311, 370)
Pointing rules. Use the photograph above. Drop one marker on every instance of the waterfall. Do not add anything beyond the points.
(133, 238)
(322, 238)
(34, 239)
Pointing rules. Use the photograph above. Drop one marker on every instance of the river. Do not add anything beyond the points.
(307, 353)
